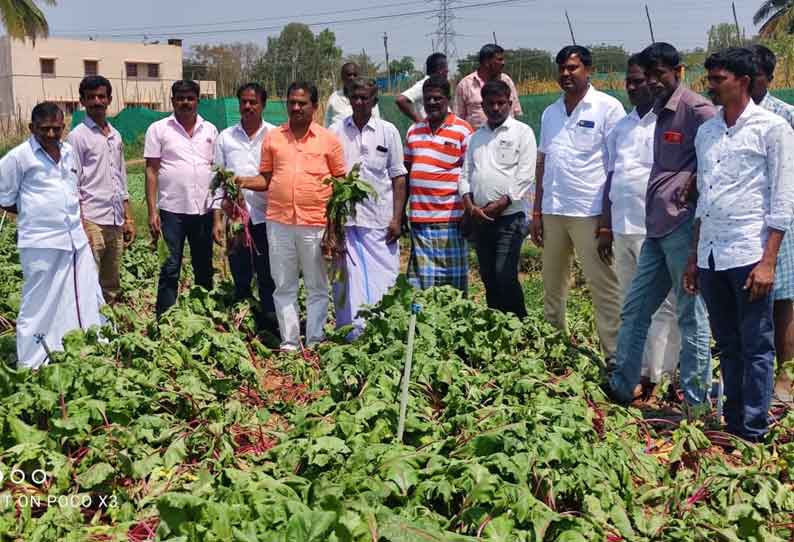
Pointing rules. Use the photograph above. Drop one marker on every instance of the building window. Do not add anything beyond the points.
(153, 70)
(132, 69)
(47, 66)
(90, 67)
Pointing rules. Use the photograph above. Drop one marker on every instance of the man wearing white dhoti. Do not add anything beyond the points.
(60, 291)
(372, 259)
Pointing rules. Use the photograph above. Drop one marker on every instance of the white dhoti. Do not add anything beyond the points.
(60, 292)
(371, 268)
(663, 345)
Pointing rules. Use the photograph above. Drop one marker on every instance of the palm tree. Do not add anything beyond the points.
(23, 19)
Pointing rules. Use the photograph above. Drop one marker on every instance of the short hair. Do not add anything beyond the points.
(437, 82)
(346, 64)
(737, 60)
(659, 53)
(497, 87)
(568, 51)
(434, 62)
(93, 82)
(765, 60)
(45, 111)
(634, 60)
(258, 89)
(308, 87)
(366, 83)
(185, 86)
(488, 51)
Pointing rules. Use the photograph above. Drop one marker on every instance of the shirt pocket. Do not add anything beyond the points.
(314, 163)
(376, 160)
(645, 154)
(506, 156)
(584, 138)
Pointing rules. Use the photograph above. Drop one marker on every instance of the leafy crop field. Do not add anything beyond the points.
(196, 431)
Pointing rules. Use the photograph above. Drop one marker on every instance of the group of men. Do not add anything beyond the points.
(677, 211)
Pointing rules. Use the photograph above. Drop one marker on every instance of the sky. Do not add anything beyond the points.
(409, 24)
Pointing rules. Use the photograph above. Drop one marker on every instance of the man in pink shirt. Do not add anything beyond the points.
(468, 99)
(179, 151)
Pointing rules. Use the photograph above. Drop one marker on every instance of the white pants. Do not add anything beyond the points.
(60, 292)
(663, 344)
(295, 249)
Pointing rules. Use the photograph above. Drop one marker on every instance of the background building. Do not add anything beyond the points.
(141, 74)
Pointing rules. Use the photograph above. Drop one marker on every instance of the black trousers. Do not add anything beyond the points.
(176, 227)
(498, 246)
(247, 261)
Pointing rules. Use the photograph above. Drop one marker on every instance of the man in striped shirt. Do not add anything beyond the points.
(434, 152)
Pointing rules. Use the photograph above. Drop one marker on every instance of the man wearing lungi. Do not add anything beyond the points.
(434, 151)
(372, 253)
(60, 292)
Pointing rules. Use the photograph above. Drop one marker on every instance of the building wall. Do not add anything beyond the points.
(20, 62)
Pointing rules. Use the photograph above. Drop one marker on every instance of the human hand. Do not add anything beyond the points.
(155, 227)
(760, 281)
(690, 278)
(128, 232)
(537, 229)
(394, 231)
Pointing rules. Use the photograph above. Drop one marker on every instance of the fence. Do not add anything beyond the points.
(223, 112)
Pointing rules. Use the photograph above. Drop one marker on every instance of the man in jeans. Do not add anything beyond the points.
(746, 185)
(104, 200)
(668, 222)
(497, 173)
(179, 150)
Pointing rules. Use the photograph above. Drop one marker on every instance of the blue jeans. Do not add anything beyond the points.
(661, 267)
(498, 252)
(745, 337)
(244, 262)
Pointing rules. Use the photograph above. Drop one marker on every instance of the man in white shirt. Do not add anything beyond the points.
(630, 150)
(745, 180)
(765, 62)
(497, 174)
(570, 179)
(338, 106)
(372, 250)
(239, 149)
(411, 102)
(468, 100)
(60, 292)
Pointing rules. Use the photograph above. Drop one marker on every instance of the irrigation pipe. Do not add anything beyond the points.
(409, 354)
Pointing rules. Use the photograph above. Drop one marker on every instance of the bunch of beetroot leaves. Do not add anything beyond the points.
(346, 193)
(230, 195)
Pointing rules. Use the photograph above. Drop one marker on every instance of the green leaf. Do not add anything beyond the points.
(95, 475)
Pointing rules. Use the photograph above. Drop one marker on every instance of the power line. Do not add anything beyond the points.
(445, 31)
(364, 19)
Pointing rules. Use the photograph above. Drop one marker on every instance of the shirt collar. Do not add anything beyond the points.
(370, 123)
(748, 112)
(673, 101)
(586, 101)
(311, 131)
(36, 146)
(241, 130)
(509, 121)
(196, 128)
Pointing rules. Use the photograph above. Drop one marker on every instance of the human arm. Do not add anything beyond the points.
(152, 171)
(604, 231)
(217, 226)
(128, 230)
(406, 107)
(261, 182)
(516, 103)
(690, 277)
(459, 103)
(10, 181)
(537, 209)
(398, 174)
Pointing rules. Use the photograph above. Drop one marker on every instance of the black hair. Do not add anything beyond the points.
(185, 86)
(583, 53)
(765, 60)
(366, 83)
(737, 60)
(346, 64)
(434, 62)
(659, 54)
(635, 60)
(258, 89)
(497, 87)
(45, 111)
(93, 82)
(437, 82)
(488, 51)
(308, 87)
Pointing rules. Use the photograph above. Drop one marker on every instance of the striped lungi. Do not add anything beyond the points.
(439, 256)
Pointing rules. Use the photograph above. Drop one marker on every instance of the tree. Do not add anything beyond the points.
(297, 54)
(367, 67)
(228, 65)
(776, 18)
(24, 19)
(403, 67)
(722, 36)
(609, 58)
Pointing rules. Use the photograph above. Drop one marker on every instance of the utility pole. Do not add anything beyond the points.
(650, 24)
(570, 27)
(736, 22)
(388, 67)
(494, 38)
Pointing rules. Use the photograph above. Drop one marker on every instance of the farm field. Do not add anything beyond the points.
(195, 430)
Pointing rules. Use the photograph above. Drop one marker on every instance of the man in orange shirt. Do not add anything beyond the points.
(296, 158)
